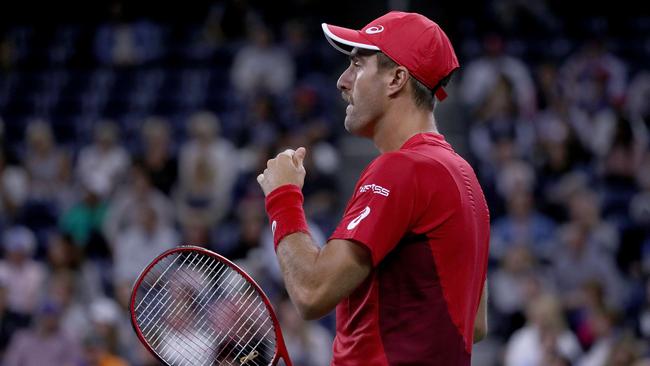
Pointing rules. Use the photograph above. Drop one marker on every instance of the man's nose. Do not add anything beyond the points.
(345, 80)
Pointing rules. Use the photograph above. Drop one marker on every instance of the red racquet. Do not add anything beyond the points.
(193, 307)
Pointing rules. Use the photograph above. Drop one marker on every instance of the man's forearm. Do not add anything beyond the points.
(317, 279)
(298, 257)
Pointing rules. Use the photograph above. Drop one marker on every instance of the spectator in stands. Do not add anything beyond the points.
(62, 289)
(22, 275)
(617, 171)
(129, 346)
(14, 188)
(140, 242)
(643, 318)
(125, 43)
(588, 301)
(157, 157)
(545, 336)
(62, 254)
(585, 212)
(242, 234)
(507, 176)
(124, 208)
(561, 148)
(195, 231)
(104, 162)
(49, 167)
(85, 219)
(594, 78)
(96, 353)
(628, 351)
(494, 70)
(44, 344)
(548, 87)
(512, 286)
(639, 212)
(260, 127)
(64, 258)
(594, 82)
(262, 66)
(498, 121)
(562, 157)
(636, 106)
(578, 261)
(208, 169)
(104, 314)
(10, 321)
(522, 225)
(603, 323)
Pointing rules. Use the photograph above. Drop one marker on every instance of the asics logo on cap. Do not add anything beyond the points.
(375, 29)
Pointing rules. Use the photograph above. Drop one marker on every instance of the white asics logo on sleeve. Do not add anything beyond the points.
(358, 219)
(274, 225)
(374, 189)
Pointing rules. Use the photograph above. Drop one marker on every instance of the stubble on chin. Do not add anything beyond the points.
(351, 125)
(357, 128)
(349, 129)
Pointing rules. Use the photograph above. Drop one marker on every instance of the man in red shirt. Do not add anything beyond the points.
(406, 267)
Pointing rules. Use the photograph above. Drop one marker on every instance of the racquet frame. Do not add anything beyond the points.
(280, 350)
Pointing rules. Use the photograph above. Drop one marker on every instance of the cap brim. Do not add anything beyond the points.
(345, 39)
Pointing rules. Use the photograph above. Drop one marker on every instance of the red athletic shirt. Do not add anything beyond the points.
(421, 213)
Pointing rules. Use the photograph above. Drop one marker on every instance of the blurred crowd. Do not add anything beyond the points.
(122, 142)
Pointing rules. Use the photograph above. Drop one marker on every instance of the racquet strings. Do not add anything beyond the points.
(193, 309)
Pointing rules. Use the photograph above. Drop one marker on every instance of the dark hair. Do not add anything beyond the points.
(422, 95)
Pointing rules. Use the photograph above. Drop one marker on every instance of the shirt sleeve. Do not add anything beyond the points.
(381, 210)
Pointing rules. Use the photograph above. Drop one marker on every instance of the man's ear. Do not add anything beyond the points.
(398, 78)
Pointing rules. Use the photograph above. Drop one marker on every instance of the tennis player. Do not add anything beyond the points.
(406, 266)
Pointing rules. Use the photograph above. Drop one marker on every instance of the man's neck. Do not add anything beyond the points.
(400, 124)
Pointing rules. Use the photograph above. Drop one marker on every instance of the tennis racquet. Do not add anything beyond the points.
(193, 307)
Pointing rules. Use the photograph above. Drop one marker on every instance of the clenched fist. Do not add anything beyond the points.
(286, 168)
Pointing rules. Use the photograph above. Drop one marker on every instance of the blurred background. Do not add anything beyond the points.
(127, 128)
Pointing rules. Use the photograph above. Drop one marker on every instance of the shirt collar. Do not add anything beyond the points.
(430, 138)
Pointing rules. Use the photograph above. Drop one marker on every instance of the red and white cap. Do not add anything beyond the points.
(410, 39)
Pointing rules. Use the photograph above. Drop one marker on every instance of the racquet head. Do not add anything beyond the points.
(193, 307)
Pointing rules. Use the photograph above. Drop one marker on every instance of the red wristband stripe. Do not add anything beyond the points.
(286, 215)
